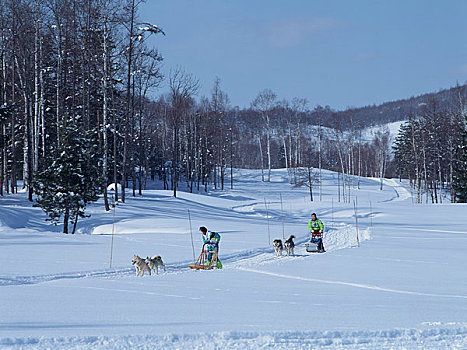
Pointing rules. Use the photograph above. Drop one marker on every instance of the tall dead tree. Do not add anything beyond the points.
(182, 87)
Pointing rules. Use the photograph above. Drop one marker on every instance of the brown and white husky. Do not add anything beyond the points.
(140, 265)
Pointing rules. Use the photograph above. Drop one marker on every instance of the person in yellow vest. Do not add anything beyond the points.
(316, 228)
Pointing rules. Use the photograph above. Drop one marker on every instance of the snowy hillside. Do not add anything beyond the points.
(368, 133)
(404, 287)
(393, 128)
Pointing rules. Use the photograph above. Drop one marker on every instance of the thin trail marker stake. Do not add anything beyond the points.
(113, 230)
(267, 216)
(282, 213)
(356, 221)
(191, 234)
(332, 211)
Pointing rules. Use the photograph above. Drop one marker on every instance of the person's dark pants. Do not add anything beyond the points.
(319, 242)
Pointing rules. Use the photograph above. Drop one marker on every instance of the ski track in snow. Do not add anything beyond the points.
(20, 280)
(356, 285)
(401, 192)
(432, 230)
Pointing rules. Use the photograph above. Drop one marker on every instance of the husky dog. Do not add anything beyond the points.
(140, 265)
(277, 243)
(289, 245)
(154, 263)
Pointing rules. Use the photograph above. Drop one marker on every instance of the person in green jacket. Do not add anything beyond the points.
(316, 228)
(211, 239)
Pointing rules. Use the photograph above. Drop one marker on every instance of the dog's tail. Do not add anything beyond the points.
(291, 237)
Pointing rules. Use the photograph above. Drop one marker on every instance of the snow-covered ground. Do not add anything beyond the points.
(368, 133)
(404, 287)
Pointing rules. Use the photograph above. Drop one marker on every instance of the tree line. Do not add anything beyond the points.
(75, 81)
(428, 151)
(77, 87)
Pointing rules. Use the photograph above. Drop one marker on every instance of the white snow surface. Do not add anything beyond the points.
(405, 287)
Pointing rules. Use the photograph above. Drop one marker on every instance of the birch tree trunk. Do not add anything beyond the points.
(417, 170)
(37, 69)
(104, 109)
(261, 158)
(26, 138)
(268, 138)
(425, 172)
(14, 185)
(128, 97)
(339, 151)
(58, 80)
(285, 156)
(320, 165)
(359, 160)
(310, 183)
(42, 102)
(4, 153)
(290, 154)
(440, 179)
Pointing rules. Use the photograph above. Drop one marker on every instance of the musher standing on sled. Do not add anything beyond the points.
(316, 228)
(211, 239)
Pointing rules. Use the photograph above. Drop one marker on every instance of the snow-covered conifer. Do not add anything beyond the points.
(71, 178)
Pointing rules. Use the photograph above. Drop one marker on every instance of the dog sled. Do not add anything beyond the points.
(315, 245)
(203, 263)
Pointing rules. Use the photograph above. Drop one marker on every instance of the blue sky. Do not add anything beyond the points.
(336, 53)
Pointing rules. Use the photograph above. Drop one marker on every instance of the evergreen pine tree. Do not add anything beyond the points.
(403, 156)
(460, 169)
(70, 179)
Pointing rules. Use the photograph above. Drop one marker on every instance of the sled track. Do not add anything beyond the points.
(238, 260)
(123, 272)
(24, 280)
(356, 285)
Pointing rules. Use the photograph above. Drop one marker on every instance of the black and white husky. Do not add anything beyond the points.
(277, 244)
(289, 245)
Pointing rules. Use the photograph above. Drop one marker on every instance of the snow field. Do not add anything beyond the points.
(405, 287)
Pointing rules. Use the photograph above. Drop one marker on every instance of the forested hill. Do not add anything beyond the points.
(447, 99)
(296, 111)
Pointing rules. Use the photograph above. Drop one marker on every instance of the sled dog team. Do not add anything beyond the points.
(315, 226)
(288, 244)
(211, 244)
(149, 264)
